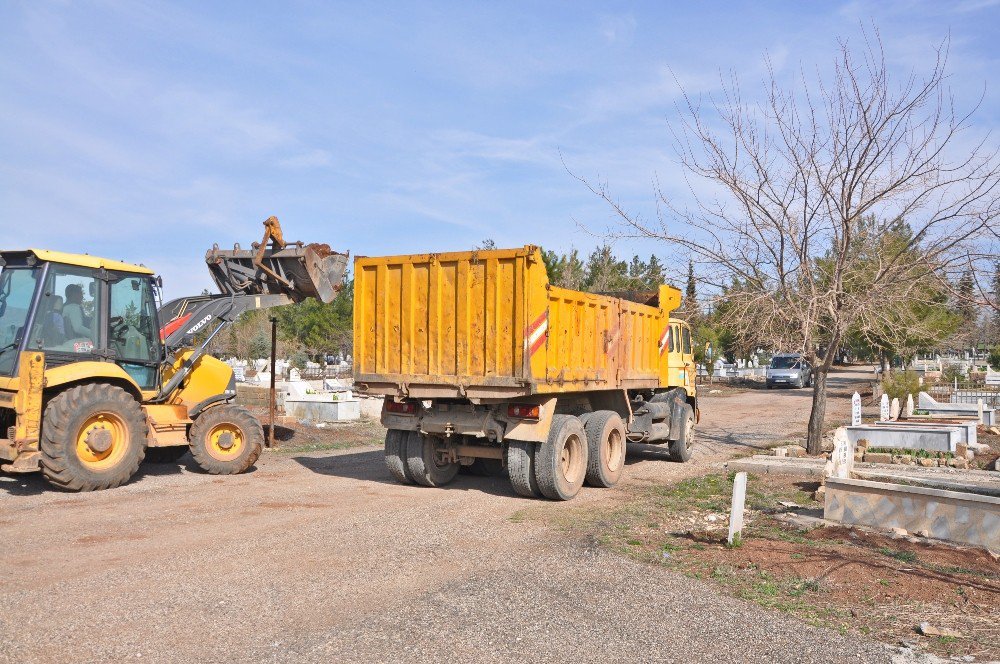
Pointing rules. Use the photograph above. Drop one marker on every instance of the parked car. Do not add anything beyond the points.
(789, 369)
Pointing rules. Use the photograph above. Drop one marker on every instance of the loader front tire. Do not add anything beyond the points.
(93, 437)
(226, 440)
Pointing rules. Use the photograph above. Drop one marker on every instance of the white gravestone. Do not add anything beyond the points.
(894, 410)
(856, 409)
(736, 512)
(884, 408)
(909, 406)
(841, 463)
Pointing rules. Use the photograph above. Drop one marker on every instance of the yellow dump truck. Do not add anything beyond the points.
(484, 364)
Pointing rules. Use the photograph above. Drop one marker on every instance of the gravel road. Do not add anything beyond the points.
(322, 557)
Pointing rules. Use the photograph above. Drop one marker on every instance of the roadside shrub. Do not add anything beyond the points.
(953, 372)
(994, 359)
(900, 383)
(298, 360)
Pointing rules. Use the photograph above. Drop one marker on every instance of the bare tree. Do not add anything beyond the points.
(809, 193)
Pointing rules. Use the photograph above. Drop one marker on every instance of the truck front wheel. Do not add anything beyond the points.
(561, 461)
(680, 449)
(425, 463)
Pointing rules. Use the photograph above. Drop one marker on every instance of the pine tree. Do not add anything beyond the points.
(968, 333)
(605, 272)
(654, 273)
(995, 298)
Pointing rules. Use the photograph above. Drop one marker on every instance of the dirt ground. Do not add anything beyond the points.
(317, 555)
(853, 580)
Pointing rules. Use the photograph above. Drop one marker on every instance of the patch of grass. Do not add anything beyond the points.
(519, 516)
(904, 556)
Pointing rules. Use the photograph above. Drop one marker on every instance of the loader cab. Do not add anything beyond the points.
(77, 308)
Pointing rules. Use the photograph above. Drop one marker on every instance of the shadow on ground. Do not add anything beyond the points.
(369, 466)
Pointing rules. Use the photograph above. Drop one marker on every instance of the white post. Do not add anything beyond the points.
(736, 511)
(981, 420)
(884, 408)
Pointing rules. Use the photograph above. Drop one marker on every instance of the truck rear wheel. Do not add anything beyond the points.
(521, 468)
(605, 448)
(395, 455)
(561, 461)
(93, 437)
(680, 449)
(226, 440)
(425, 463)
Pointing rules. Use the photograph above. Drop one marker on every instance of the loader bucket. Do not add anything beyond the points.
(298, 271)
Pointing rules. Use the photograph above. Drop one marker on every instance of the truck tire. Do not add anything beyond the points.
(521, 468)
(226, 440)
(395, 455)
(605, 448)
(422, 461)
(93, 437)
(561, 461)
(165, 454)
(680, 449)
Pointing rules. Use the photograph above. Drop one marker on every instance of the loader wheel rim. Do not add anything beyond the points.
(225, 441)
(102, 441)
(614, 451)
(571, 460)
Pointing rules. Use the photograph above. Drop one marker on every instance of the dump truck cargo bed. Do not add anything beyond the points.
(488, 325)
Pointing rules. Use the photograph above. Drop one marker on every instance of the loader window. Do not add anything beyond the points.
(17, 287)
(687, 340)
(67, 316)
(132, 328)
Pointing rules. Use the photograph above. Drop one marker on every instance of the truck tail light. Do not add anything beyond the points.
(401, 407)
(523, 411)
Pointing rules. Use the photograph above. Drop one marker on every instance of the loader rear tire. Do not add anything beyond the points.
(395, 455)
(605, 448)
(521, 468)
(423, 462)
(561, 461)
(226, 440)
(165, 454)
(93, 437)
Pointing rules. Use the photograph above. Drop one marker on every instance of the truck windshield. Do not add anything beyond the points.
(17, 288)
(784, 362)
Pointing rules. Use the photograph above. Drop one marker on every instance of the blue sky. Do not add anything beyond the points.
(147, 131)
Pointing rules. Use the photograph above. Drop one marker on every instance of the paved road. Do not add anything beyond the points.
(321, 557)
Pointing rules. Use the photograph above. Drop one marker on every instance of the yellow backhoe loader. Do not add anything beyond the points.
(94, 376)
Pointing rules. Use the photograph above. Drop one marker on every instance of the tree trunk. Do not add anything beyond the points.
(817, 415)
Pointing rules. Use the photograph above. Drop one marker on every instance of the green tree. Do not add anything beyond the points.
(654, 273)
(604, 272)
(318, 328)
